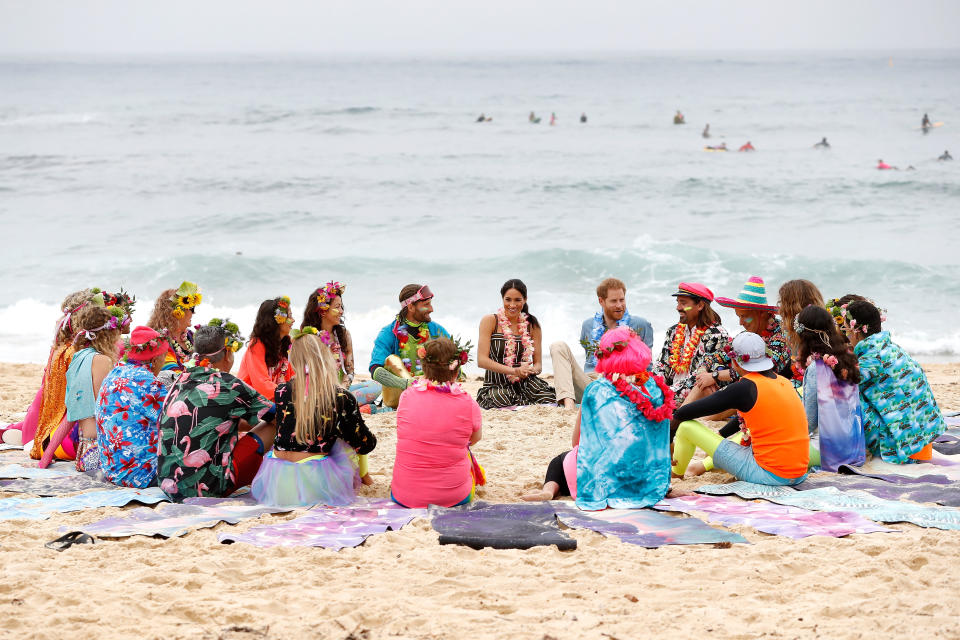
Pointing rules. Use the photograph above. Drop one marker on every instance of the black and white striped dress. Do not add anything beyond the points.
(497, 391)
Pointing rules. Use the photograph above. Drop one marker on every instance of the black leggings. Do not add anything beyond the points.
(555, 474)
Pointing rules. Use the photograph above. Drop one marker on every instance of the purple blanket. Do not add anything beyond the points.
(945, 494)
(172, 520)
(330, 527)
(777, 519)
(644, 528)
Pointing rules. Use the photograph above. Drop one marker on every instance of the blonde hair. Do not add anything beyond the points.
(71, 304)
(162, 315)
(795, 296)
(104, 340)
(314, 387)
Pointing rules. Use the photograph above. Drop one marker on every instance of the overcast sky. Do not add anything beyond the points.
(459, 26)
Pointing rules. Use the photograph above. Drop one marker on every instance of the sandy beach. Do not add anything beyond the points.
(404, 585)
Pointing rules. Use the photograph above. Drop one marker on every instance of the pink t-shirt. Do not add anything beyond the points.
(433, 431)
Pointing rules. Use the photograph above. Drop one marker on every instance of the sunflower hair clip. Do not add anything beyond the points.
(282, 313)
(185, 298)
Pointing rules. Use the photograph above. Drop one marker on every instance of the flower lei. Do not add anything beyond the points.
(453, 388)
(681, 354)
(636, 394)
(282, 313)
(510, 341)
(330, 339)
(401, 329)
(600, 328)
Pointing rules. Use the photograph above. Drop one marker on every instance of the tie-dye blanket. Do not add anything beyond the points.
(644, 528)
(14, 470)
(945, 494)
(43, 508)
(501, 526)
(833, 499)
(55, 486)
(330, 527)
(173, 520)
(777, 519)
(940, 465)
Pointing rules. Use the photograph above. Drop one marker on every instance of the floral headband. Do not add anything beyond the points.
(296, 334)
(185, 298)
(91, 334)
(327, 293)
(799, 328)
(839, 313)
(603, 352)
(282, 313)
(233, 340)
(460, 358)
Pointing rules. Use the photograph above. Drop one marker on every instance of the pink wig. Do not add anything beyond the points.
(627, 359)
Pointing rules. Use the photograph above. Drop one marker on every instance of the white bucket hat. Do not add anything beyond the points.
(750, 352)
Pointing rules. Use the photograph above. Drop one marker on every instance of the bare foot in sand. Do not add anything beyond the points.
(678, 493)
(367, 480)
(696, 469)
(567, 404)
(538, 496)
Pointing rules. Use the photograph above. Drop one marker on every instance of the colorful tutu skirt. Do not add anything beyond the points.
(330, 479)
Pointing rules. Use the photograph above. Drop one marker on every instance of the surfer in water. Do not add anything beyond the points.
(484, 118)
(553, 119)
(883, 166)
(533, 118)
(706, 131)
(925, 123)
(583, 118)
(720, 147)
(823, 144)
(747, 147)
(678, 118)
(946, 156)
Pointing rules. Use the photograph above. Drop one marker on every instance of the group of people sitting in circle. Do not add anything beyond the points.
(806, 384)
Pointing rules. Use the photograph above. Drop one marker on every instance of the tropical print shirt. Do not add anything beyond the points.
(777, 349)
(900, 414)
(199, 427)
(706, 356)
(128, 408)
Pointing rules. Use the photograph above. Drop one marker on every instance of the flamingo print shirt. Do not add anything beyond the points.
(128, 407)
(199, 426)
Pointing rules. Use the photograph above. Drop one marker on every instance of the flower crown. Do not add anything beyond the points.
(296, 334)
(149, 345)
(619, 345)
(91, 334)
(233, 340)
(185, 298)
(282, 313)
(839, 313)
(460, 358)
(799, 328)
(327, 293)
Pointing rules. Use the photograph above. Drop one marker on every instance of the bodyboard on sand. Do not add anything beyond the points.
(501, 526)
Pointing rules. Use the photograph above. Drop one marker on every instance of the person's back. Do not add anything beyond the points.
(432, 464)
(777, 427)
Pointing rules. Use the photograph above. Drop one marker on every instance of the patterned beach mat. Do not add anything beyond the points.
(25, 470)
(43, 508)
(776, 519)
(55, 486)
(501, 526)
(947, 495)
(833, 499)
(940, 465)
(173, 520)
(330, 527)
(645, 528)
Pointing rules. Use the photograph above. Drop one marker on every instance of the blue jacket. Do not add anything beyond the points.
(387, 344)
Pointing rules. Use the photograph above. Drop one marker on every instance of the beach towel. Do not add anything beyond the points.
(645, 528)
(43, 508)
(173, 520)
(833, 499)
(939, 465)
(501, 526)
(944, 494)
(55, 486)
(60, 470)
(947, 447)
(894, 479)
(330, 527)
(777, 519)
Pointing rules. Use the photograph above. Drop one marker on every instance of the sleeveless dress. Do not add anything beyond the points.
(498, 392)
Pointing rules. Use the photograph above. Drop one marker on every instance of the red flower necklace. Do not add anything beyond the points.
(636, 395)
(681, 355)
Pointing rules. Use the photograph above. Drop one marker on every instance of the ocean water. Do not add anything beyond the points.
(262, 177)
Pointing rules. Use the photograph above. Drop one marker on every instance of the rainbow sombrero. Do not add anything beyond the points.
(753, 296)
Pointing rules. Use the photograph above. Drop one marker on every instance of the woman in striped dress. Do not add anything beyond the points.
(509, 350)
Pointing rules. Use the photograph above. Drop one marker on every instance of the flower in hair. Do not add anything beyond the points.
(282, 313)
(185, 298)
(327, 293)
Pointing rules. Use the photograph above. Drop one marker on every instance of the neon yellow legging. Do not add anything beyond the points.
(692, 434)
